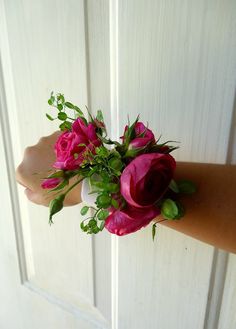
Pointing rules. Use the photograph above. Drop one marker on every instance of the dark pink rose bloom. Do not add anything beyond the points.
(130, 219)
(146, 178)
(69, 155)
(87, 132)
(49, 183)
(143, 136)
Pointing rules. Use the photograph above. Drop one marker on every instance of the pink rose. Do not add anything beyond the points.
(146, 178)
(86, 132)
(142, 183)
(130, 219)
(143, 136)
(49, 183)
(69, 155)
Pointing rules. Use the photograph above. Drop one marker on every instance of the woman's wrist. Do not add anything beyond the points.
(211, 211)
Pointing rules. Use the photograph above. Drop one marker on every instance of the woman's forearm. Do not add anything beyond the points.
(211, 211)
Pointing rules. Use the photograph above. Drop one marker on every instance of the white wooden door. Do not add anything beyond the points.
(172, 62)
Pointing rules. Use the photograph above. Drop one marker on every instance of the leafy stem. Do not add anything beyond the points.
(72, 186)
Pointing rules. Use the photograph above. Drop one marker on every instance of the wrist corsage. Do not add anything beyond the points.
(125, 184)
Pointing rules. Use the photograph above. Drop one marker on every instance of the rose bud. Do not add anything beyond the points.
(143, 136)
(50, 183)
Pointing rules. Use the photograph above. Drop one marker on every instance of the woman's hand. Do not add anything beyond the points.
(37, 165)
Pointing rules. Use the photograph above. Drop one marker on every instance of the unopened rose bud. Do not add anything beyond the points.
(55, 206)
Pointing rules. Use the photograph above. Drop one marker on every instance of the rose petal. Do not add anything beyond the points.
(138, 175)
(139, 142)
(129, 220)
(69, 155)
(49, 183)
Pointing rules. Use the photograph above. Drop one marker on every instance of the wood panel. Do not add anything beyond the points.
(97, 33)
(24, 306)
(176, 68)
(47, 49)
(227, 316)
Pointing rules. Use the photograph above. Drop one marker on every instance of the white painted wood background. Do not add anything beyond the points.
(172, 62)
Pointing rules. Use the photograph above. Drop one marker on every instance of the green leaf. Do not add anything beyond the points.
(181, 210)
(100, 115)
(169, 209)
(78, 110)
(99, 185)
(102, 215)
(55, 206)
(132, 153)
(69, 105)
(186, 186)
(51, 99)
(153, 231)
(62, 116)
(116, 163)
(60, 107)
(173, 186)
(59, 173)
(49, 117)
(102, 151)
(83, 227)
(115, 203)
(101, 227)
(103, 201)
(61, 98)
(112, 187)
(65, 126)
(85, 121)
(84, 210)
(92, 223)
(130, 132)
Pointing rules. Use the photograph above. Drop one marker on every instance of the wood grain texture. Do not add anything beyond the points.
(177, 66)
(227, 315)
(47, 52)
(97, 16)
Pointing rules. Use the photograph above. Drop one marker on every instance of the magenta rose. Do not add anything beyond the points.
(130, 219)
(49, 183)
(143, 136)
(142, 183)
(68, 148)
(146, 178)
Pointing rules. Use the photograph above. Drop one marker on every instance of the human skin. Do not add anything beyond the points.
(210, 212)
(35, 166)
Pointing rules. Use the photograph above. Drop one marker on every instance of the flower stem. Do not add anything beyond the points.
(72, 186)
(163, 220)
